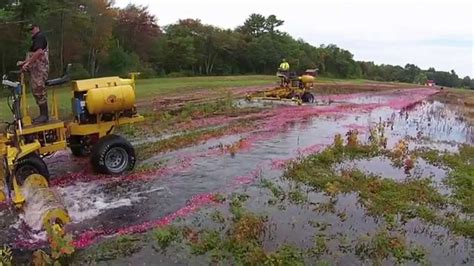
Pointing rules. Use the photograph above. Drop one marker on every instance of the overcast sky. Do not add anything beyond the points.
(427, 33)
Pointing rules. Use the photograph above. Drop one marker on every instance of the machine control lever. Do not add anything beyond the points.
(9, 83)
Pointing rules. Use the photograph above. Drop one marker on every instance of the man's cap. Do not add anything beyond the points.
(32, 25)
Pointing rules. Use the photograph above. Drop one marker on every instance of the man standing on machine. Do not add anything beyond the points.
(37, 63)
(284, 73)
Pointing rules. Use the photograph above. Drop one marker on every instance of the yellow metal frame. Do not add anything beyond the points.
(26, 118)
(101, 128)
(54, 106)
(278, 94)
(3, 180)
(14, 153)
(60, 131)
(3, 194)
(18, 197)
(3, 170)
(262, 98)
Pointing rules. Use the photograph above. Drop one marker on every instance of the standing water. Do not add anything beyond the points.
(138, 203)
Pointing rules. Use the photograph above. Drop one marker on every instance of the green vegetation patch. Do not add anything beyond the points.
(163, 236)
(120, 247)
(239, 241)
(383, 245)
(276, 190)
(461, 175)
(286, 255)
(147, 150)
(386, 197)
(195, 110)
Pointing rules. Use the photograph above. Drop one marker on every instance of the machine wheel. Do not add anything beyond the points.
(113, 155)
(307, 97)
(293, 95)
(80, 146)
(28, 165)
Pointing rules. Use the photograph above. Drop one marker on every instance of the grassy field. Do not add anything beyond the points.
(150, 88)
(163, 86)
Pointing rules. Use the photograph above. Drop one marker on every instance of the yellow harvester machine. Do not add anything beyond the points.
(98, 106)
(292, 88)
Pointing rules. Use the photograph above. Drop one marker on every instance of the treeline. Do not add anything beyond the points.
(100, 39)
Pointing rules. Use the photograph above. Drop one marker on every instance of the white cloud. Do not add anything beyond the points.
(381, 31)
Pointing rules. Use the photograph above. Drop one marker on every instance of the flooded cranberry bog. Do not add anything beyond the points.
(379, 176)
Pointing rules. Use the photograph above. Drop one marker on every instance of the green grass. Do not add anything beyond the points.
(149, 88)
(163, 86)
(169, 119)
(461, 89)
(338, 80)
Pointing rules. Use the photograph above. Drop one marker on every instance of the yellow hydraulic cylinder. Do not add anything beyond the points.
(110, 99)
(18, 198)
(3, 193)
(24, 103)
(3, 171)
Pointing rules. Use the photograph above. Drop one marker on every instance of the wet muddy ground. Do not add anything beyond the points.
(193, 186)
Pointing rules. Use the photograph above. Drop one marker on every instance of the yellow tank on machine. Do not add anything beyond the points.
(307, 79)
(110, 99)
(106, 95)
(88, 84)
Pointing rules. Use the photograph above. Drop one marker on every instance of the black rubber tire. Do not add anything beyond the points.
(77, 146)
(111, 147)
(30, 164)
(307, 97)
